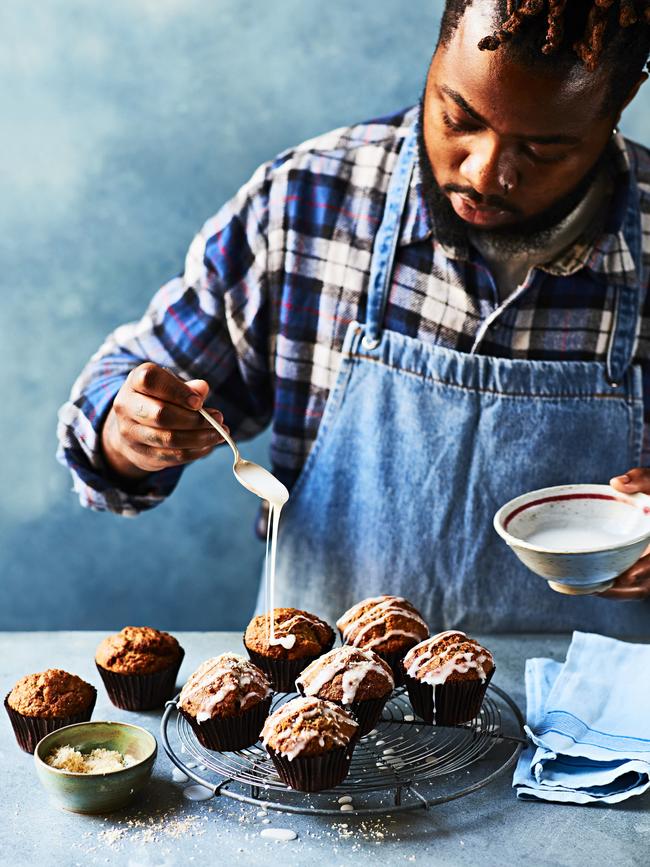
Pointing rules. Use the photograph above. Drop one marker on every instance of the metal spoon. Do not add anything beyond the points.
(252, 476)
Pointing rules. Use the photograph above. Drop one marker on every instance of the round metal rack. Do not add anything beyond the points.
(403, 764)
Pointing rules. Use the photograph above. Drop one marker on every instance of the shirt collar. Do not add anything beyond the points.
(603, 248)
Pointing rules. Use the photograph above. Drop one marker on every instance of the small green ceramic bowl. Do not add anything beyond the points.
(97, 793)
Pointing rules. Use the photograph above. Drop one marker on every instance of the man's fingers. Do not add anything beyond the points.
(158, 382)
(153, 412)
(628, 594)
(153, 459)
(637, 479)
(633, 584)
(162, 438)
(155, 423)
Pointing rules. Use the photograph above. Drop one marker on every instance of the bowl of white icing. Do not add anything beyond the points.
(578, 537)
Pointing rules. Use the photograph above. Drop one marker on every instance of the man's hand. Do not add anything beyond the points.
(634, 583)
(153, 423)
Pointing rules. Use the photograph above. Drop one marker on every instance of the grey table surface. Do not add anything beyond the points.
(488, 827)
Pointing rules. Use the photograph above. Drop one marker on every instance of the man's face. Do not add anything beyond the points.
(505, 144)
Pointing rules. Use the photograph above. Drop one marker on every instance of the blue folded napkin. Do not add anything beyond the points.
(589, 721)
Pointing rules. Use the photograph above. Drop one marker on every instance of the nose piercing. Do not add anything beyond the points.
(506, 179)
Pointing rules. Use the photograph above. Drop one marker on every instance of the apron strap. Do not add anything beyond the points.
(627, 300)
(383, 252)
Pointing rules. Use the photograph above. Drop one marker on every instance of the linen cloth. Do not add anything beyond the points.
(589, 721)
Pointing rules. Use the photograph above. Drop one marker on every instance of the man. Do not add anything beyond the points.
(435, 312)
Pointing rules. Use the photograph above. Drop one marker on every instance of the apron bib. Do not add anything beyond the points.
(420, 445)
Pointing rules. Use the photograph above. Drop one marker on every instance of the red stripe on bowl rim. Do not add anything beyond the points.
(559, 497)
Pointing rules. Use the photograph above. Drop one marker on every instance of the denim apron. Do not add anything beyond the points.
(419, 446)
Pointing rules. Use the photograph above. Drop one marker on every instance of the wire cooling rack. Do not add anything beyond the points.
(403, 764)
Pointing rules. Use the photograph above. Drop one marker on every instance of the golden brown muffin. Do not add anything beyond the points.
(301, 635)
(449, 657)
(308, 727)
(51, 694)
(225, 702)
(224, 686)
(385, 624)
(347, 675)
(138, 650)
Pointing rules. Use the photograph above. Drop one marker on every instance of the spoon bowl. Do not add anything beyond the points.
(260, 481)
(252, 476)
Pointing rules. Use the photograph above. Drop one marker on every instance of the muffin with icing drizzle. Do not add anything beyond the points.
(356, 679)
(44, 702)
(387, 625)
(226, 701)
(287, 645)
(310, 742)
(447, 676)
(139, 666)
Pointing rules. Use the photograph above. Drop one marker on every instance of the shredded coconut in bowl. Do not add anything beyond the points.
(98, 761)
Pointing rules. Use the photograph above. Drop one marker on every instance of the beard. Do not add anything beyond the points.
(528, 234)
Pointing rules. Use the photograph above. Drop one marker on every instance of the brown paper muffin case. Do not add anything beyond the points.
(314, 773)
(226, 734)
(447, 704)
(141, 691)
(29, 730)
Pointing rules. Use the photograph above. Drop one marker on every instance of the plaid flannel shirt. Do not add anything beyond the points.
(271, 283)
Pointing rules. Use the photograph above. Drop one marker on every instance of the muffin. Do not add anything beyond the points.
(387, 625)
(310, 742)
(226, 701)
(139, 666)
(447, 676)
(300, 637)
(356, 679)
(41, 703)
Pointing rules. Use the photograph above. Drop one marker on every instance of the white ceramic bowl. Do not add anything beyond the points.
(578, 537)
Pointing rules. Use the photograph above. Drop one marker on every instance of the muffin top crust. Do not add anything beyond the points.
(308, 727)
(298, 634)
(223, 686)
(51, 694)
(138, 650)
(385, 624)
(449, 656)
(347, 674)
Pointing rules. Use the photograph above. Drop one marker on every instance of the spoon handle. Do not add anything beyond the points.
(224, 434)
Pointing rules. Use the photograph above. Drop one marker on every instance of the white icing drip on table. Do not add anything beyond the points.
(283, 834)
(197, 793)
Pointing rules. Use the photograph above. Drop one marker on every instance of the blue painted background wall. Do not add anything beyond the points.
(123, 126)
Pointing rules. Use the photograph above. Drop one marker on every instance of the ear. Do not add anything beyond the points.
(643, 77)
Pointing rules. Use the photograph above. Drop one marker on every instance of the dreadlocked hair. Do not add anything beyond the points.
(558, 34)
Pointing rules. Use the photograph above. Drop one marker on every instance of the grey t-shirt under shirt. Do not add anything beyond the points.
(510, 257)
